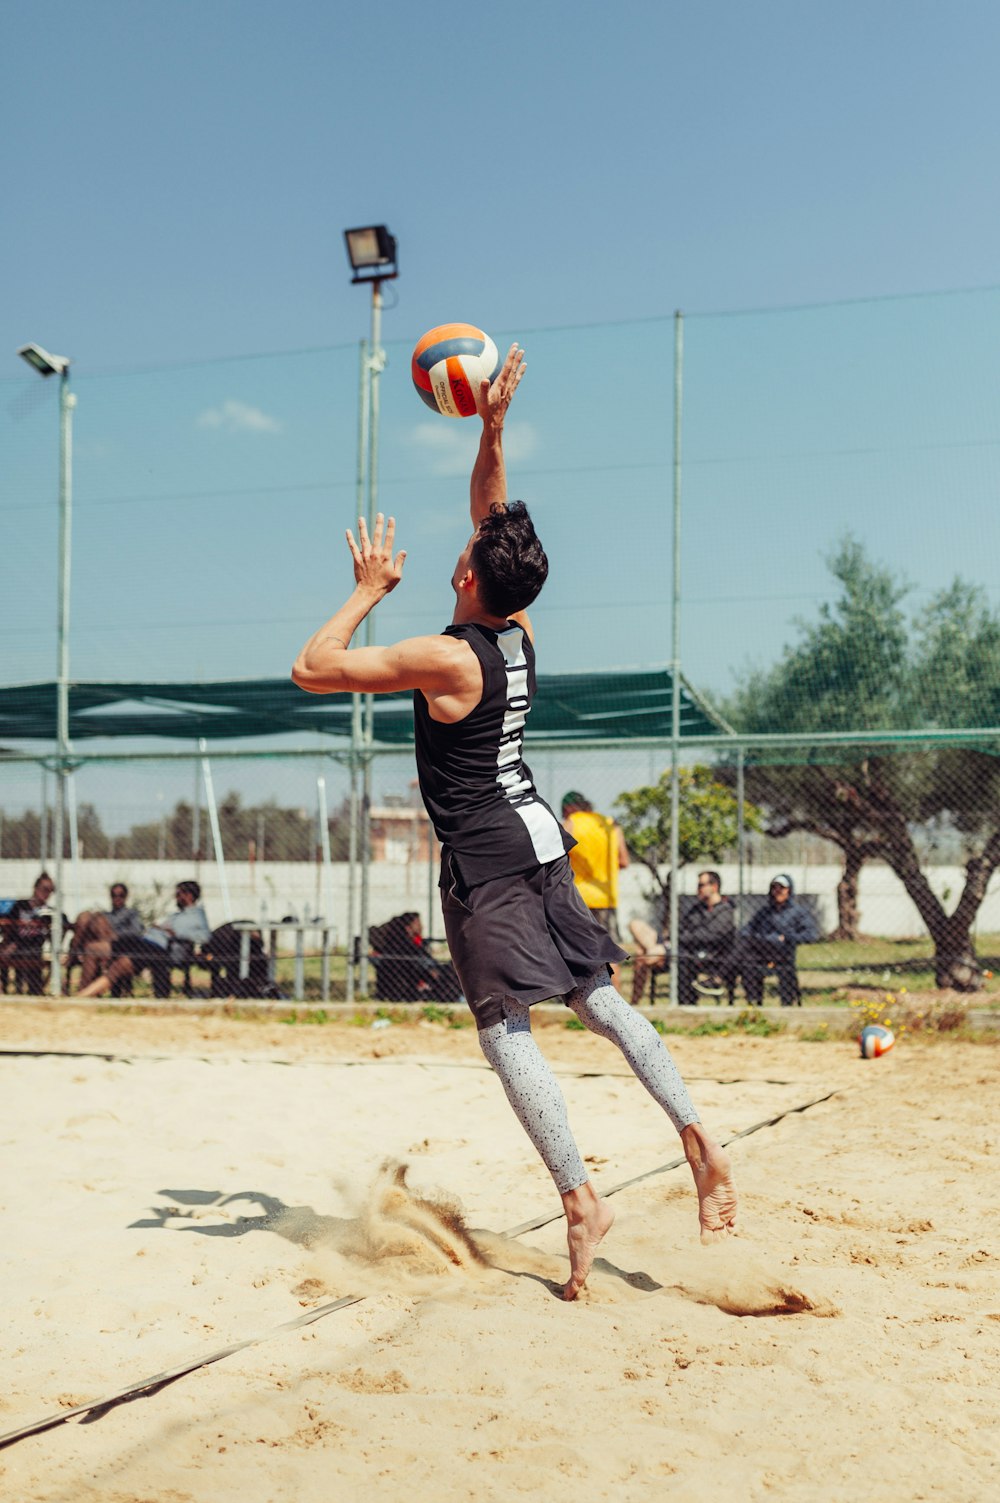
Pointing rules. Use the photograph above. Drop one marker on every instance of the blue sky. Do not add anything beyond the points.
(177, 180)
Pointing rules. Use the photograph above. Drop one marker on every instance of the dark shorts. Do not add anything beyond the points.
(529, 936)
(608, 919)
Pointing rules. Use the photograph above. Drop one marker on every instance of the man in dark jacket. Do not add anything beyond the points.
(768, 943)
(707, 930)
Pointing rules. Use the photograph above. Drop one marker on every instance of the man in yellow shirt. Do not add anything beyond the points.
(599, 855)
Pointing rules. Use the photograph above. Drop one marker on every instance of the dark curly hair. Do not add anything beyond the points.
(507, 559)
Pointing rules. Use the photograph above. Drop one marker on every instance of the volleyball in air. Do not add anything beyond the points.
(876, 1040)
(448, 364)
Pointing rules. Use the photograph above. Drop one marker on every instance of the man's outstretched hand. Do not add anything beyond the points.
(494, 398)
(375, 570)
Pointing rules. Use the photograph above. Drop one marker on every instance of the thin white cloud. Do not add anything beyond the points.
(238, 417)
(451, 446)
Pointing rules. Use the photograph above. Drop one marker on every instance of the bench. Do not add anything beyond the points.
(713, 980)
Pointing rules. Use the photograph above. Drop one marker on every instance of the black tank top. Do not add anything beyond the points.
(475, 785)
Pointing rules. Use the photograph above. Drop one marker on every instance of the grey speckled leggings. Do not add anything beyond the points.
(533, 1090)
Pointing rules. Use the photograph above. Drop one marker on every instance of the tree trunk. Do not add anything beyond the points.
(856, 853)
(847, 895)
(955, 962)
(662, 899)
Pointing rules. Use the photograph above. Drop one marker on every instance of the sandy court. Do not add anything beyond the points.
(173, 1184)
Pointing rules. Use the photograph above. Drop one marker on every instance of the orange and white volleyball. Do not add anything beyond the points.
(449, 363)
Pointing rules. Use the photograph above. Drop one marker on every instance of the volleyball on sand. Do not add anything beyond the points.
(448, 364)
(876, 1040)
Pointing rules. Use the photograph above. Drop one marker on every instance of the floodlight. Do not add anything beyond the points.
(371, 251)
(44, 363)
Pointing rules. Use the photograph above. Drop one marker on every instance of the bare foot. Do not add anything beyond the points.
(588, 1219)
(713, 1180)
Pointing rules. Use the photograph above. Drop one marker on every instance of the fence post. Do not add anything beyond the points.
(675, 667)
(741, 831)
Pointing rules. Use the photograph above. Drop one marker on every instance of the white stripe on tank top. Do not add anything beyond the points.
(541, 823)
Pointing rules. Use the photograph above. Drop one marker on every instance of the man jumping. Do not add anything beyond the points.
(516, 926)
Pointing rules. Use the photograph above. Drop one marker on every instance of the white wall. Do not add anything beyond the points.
(271, 888)
(279, 888)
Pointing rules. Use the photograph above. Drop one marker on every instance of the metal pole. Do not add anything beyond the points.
(67, 401)
(356, 721)
(352, 867)
(376, 363)
(741, 831)
(432, 877)
(43, 824)
(74, 840)
(327, 914)
(675, 660)
(324, 842)
(196, 825)
(213, 815)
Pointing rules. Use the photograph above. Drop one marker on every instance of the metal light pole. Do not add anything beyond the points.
(376, 365)
(373, 258)
(741, 829)
(675, 662)
(356, 708)
(357, 727)
(58, 365)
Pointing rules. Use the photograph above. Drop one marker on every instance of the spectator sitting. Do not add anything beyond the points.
(169, 943)
(405, 971)
(28, 926)
(769, 941)
(98, 936)
(706, 932)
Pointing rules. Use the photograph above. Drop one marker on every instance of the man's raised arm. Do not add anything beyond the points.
(489, 475)
(438, 665)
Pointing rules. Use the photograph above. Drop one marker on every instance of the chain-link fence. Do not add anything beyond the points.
(268, 839)
(897, 895)
(836, 608)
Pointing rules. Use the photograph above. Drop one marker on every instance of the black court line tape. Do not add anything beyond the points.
(121, 1059)
(540, 1221)
(146, 1387)
(357, 1064)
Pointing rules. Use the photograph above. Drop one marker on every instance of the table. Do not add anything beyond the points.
(272, 928)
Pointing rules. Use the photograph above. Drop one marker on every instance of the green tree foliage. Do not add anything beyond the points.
(707, 824)
(842, 674)
(865, 665)
(273, 832)
(22, 836)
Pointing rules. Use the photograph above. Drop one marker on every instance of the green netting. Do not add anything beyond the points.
(569, 707)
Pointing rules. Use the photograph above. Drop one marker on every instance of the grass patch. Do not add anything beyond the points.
(751, 1024)
(315, 1016)
(821, 1034)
